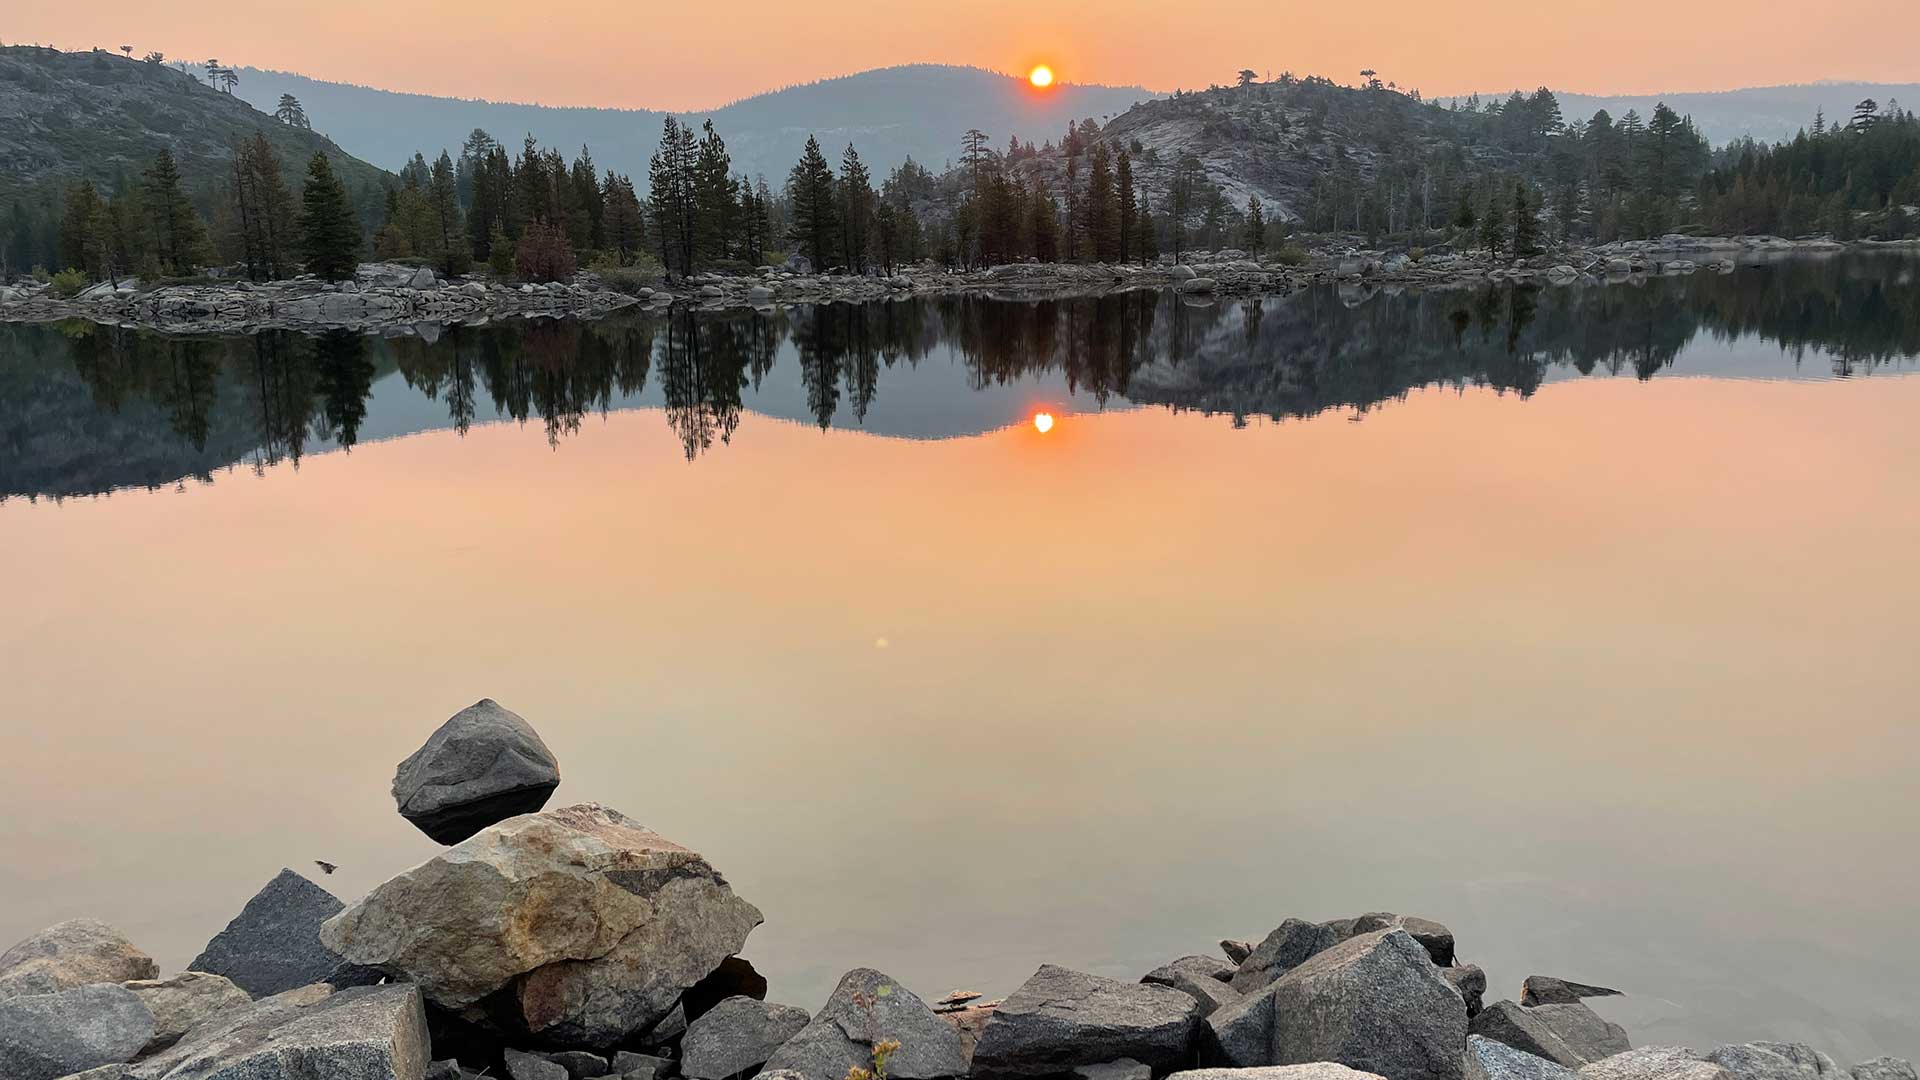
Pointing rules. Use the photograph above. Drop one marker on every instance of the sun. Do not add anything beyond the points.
(1043, 422)
(1041, 76)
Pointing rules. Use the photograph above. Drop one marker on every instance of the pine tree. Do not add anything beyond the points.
(1526, 227)
(449, 249)
(1103, 208)
(264, 210)
(810, 190)
(715, 200)
(179, 236)
(1256, 226)
(1129, 209)
(330, 232)
(856, 210)
(79, 242)
(625, 223)
(671, 193)
(1493, 224)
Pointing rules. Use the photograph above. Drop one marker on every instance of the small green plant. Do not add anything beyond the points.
(1291, 255)
(68, 283)
(883, 1049)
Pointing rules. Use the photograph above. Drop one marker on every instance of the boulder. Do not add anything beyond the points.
(1777, 1061)
(970, 1021)
(1184, 273)
(579, 1064)
(184, 1002)
(1122, 1069)
(1525, 1030)
(1437, 939)
(759, 294)
(1490, 1060)
(1589, 1034)
(273, 945)
(1291, 944)
(482, 766)
(1236, 952)
(366, 1033)
(1470, 983)
(1885, 1068)
(524, 1066)
(626, 1062)
(865, 1008)
(1202, 978)
(592, 924)
(78, 952)
(421, 279)
(1655, 1063)
(1547, 990)
(1319, 1070)
(1200, 285)
(1376, 1002)
(737, 1036)
(1060, 1019)
(45, 1036)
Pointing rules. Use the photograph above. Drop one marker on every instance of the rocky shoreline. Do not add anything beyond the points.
(574, 943)
(395, 300)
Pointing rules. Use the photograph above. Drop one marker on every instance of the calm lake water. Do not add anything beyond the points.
(1582, 620)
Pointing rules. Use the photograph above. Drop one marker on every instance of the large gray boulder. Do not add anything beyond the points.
(273, 945)
(1655, 1063)
(78, 952)
(1547, 990)
(1490, 1060)
(1527, 1031)
(484, 765)
(1436, 938)
(1777, 1061)
(1318, 1070)
(582, 925)
(1376, 1002)
(868, 1007)
(1885, 1068)
(737, 1036)
(1588, 1033)
(184, 1002)
(524, 1066)
(1291, 944)
(365, 1033)
(44, 1036)
(1202, 978)
(1060, 1019)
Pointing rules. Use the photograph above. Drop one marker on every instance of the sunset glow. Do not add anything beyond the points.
(1041, 76)
(1043, 422)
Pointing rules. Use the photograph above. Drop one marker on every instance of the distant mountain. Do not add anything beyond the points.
(918, 110)
(1768, 113)
(103, 117)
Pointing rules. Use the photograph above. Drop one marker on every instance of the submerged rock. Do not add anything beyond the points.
(366, 1033)
(78, 952)
(586, 925)
(1060, 1019)
(184, 1002)
(484, 765)
(1376, 1002)
(273, 945)
(45, 1036)
(737, 1036)
(865, 1008)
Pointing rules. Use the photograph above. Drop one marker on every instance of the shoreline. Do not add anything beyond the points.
(397, 301)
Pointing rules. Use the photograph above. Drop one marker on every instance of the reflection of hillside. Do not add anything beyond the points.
(88, 409)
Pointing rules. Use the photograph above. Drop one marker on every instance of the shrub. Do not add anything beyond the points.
(1291, 255)
(644, 272)
(543, 254)
(68, 283)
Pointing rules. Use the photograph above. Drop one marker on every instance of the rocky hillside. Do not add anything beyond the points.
(1276, 139)
(102, 117)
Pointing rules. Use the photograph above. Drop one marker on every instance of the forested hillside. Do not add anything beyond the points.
(104, 118)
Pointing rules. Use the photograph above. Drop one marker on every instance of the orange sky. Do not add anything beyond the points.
(642, 53)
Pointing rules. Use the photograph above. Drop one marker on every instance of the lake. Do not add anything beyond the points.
(1581, 620)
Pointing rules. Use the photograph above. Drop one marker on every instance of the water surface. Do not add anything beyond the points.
(1579, 619)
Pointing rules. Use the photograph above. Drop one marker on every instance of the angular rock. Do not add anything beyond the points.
(421, 279)
(593, 925)
(1123, 1069)
(273, 945)
(626, 1062)
(735, 977)
(737, 1036)
(970, 1021)
(1375, 1003)
(1319, 1070)
(46, 1036)
(184, 1002)
(1236, 952)
(1437, 939)
(1655, 1063)
(1547, 990)
(1490, 1060)
(579, 1064)
(1183, 273)
(1060, 1019)
(78, 952)
(865, 1008)
(1202, 978)
(1525, 1030)
(1471, 984)
(484, 765)
(366, 1033)
(524, 1066)
(1885, 1068)
(1777, 1061)
(1291, 944)
(1589, 1034)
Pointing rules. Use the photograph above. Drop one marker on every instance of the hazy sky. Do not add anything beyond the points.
(688, 56)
